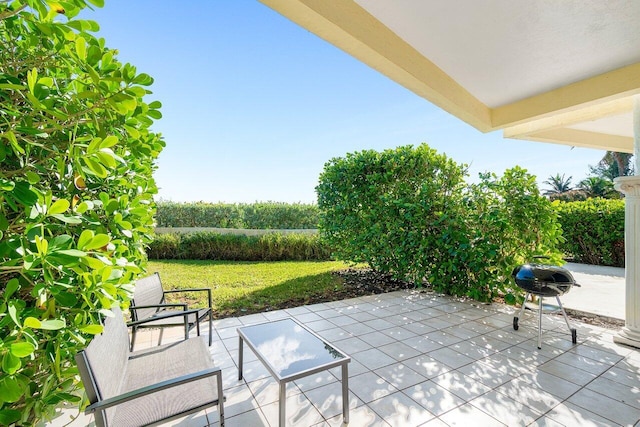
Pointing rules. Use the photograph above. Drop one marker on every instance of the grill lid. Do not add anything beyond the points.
(543, 279)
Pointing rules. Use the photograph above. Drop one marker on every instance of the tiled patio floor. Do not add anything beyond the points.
(419, 359)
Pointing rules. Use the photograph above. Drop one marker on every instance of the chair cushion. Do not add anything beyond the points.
(161, 363)
(147, 291)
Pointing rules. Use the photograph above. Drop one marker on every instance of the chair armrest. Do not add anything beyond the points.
(137, 307)
(153, 388)
(184, 313)
(208, 290)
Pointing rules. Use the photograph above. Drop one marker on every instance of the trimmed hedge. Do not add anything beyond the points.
(593, 230)
(229, 247)
(260, 215)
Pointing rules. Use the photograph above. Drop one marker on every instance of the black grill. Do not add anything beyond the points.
(543, 280)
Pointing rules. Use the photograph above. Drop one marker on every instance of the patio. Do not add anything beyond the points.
(423, 359)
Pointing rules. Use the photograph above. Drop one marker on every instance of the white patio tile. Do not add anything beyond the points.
(238, 400)
(597, 353)
(306, 318)
(319, 325)
(619, 374)
(369, 386)
(363, 316)
(296, 311)
(505, 409)
(354, 368)
(373, 358)
(569, 414)
(253, 319)
(606, 407)
(443, 338)
(328, 313)
(471, 350)
(361, 416)
(584, 363)
(276, 315)
(266, 390)
(352, 345)
(438, 323)
(541, 380)
(460, 332)
(435, 422)
(545, 422)
(379, 324)
(376, 339)
(398, 409)
(629, 395)
(529, 395)
(316, 380)
(328, 400)
(569, 373)
(423, 345)
(427, 366)
(399, 351)
(469, 415)
(461, 385)
(334, 334)
(400, 375)
(343, 320)
(358, 329)
(486, 374)
(451, 357)
(434, 398)
(298, 412)
(399, 333)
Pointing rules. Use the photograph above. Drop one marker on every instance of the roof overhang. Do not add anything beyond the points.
(561, 72)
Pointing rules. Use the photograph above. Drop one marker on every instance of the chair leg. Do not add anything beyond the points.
(210, 327)
(133, 337)
(160, 336)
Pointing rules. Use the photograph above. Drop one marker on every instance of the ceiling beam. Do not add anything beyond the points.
(582, 138)
(614, 85)
(351, 28)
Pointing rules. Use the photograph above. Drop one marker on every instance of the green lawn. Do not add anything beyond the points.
(250, 287)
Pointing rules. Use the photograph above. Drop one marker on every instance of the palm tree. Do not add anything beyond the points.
(612, 165)
(596, 186)
(559, 184)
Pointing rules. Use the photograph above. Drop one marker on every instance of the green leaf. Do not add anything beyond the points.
(32, 177)
(143, 79)
(98, 241)
(94, 145)
(92, 329)
(72, 253)
(59, 206)
(67, 219)
(81, 48)
(11, 363)
(106, 158)
(85, 237)
(155, 114)
(10, 390)
(12, 286)
(52, 324)
(32, 322)
(13, 313)
(98, 3)
(32, 79)
(109, 141)
(9, 416)
(95, 167)
(22, 348)
(23, 194)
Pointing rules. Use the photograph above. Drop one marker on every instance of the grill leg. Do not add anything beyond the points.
(574, 334)
(526, 297)
(539, 322)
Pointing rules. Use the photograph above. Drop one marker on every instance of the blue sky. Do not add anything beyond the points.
(254, 106)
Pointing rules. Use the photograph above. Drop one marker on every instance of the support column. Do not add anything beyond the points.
(630, 186)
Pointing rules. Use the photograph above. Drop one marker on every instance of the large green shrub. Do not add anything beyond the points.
(76, 163)
(593, 230)
(259, 215)
(213, 246)
(408, 211)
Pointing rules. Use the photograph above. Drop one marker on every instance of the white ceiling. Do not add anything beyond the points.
(502, 51)
(561, 71)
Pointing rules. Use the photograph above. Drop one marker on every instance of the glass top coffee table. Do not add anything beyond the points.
(290, 351)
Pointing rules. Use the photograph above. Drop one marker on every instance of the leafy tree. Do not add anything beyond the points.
(612, 165)
(76, 164)
(595, 186)
(409, 212)
(558, 183)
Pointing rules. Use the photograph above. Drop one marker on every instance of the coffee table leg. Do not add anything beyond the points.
(345, 393)
(283, 400)
(241, 342)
